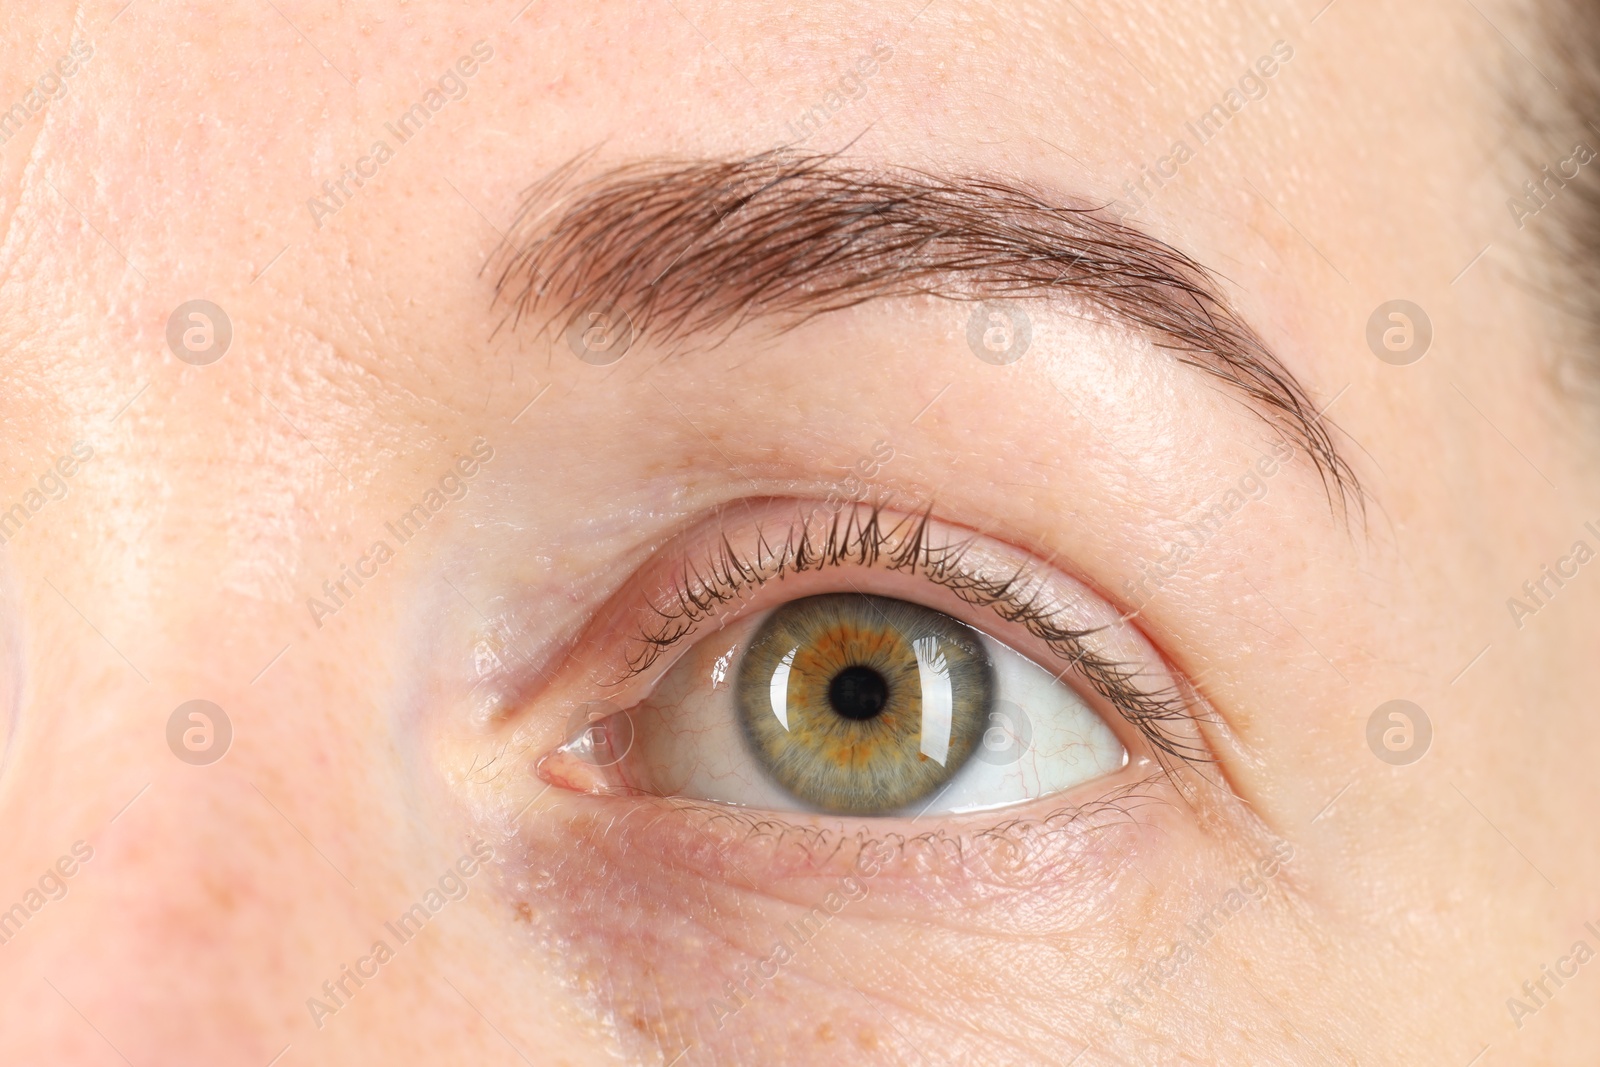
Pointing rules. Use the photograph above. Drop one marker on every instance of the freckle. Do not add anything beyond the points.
(222, 895)
(638, 1023)
(866, 1040)
(524, 913)
(825, 1032)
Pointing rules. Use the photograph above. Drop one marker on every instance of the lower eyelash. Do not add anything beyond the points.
(1026, 848)
(856, 537)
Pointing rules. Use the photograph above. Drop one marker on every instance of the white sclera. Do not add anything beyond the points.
(1062, 743)
(689, 742)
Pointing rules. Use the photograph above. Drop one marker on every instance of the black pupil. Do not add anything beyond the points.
(858, 693)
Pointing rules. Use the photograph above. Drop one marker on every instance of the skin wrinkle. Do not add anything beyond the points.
(31, 159)
(193, 143)
(614, 916)
(696, 248)
(987, 865)
(1069, 1027)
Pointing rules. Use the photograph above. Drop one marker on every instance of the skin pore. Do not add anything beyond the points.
(401, 540)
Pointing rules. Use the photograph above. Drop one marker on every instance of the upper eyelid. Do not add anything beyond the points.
(856, 535)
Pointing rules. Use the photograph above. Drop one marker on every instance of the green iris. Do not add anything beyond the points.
(863, 704)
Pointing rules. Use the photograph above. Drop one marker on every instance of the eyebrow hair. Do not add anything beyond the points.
(685, 248)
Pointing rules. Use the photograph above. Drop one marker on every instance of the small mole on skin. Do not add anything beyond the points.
(867, 1040)
(825, 1032)
(524, 913)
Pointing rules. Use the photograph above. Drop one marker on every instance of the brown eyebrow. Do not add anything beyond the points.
(686, 248)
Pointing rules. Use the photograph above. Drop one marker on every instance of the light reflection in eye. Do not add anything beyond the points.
(780, 687)
(862, 705)
(880, 700)
(719, 670)
(938, 705)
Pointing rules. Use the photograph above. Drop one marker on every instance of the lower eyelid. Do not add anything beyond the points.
(1082, 849)
(650, 908)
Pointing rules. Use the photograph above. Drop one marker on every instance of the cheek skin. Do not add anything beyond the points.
(748, 940)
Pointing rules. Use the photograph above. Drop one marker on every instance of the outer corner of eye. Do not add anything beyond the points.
(848, 704)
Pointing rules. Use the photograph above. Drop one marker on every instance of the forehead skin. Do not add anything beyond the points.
(178, 166)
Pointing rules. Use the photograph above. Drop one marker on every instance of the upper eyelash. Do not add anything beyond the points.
(856, 536)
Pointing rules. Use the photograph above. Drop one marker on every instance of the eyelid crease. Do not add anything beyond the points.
(856, 536)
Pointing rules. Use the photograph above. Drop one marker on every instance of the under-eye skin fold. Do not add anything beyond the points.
(863, 663)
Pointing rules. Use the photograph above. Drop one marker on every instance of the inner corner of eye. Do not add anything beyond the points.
(848, 704)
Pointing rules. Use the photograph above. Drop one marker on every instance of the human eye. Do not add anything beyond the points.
(854, 704)
(864, 665)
